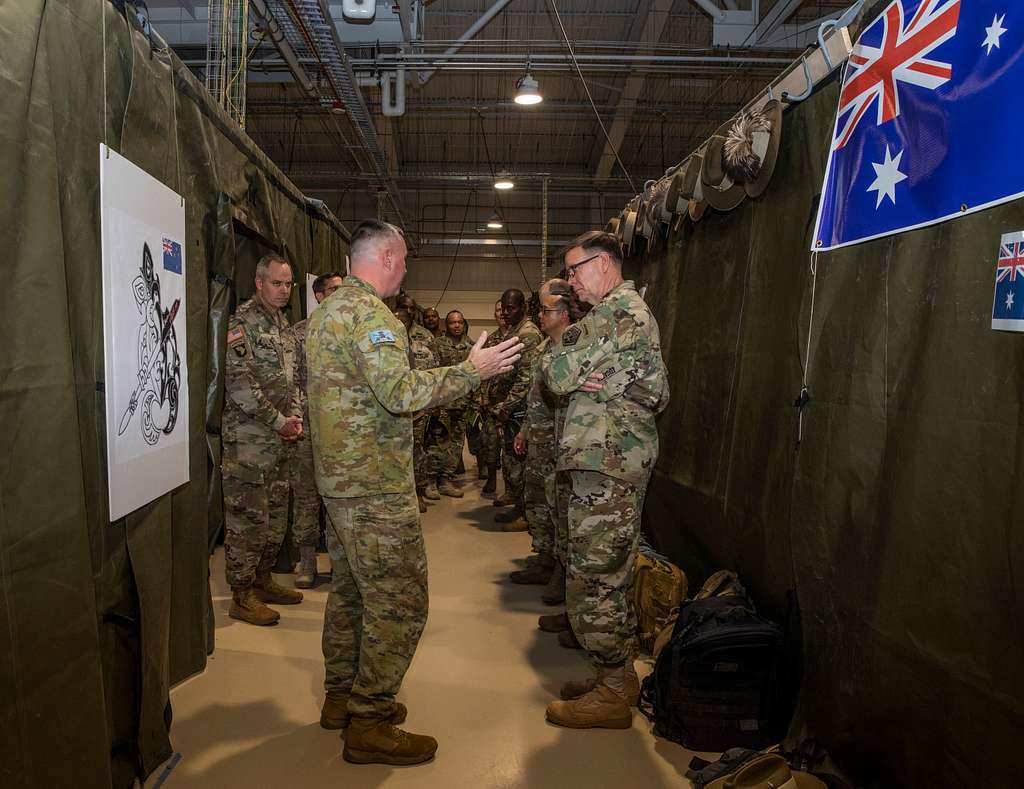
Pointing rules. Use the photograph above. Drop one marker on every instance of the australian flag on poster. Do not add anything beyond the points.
(172, 256)
(927, 123)
(1008, 302)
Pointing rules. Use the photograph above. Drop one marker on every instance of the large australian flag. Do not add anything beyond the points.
(926, 128)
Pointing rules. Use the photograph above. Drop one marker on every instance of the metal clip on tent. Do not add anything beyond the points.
(826, 27)
(787, 98)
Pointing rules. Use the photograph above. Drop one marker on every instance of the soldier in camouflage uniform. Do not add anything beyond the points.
(451, 348)
(362, 395)
(306, 499)
(510, 411)
(426, 464)
(611, 366)
(432, 322)
(262, 420)
(488, 397)
(407, 303)
(539, 440)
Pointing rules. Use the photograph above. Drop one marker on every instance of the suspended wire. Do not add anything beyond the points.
(497, 200)
(458, 247)
(590, 98)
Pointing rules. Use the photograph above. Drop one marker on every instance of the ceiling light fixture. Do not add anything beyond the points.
(527, 90)
(495, 223)
(503, 182)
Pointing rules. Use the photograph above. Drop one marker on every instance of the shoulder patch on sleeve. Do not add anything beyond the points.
(381, 337)
(236, 334)
(571, 335)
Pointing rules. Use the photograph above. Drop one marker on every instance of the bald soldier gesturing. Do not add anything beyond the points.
(362, 398)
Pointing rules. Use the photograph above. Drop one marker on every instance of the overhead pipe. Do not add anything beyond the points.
(473, 29)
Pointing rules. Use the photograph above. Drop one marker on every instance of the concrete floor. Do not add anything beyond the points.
(479, 683)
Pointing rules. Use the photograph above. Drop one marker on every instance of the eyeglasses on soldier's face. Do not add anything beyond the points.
(570, 271)
(552, 309)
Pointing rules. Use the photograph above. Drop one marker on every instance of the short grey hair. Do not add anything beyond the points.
(263, 267)
(370, 232)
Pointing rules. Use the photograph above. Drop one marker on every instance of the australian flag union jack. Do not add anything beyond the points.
(1008, 302)
(921, 133)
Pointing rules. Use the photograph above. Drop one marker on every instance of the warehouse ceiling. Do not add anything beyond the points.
(662, 74)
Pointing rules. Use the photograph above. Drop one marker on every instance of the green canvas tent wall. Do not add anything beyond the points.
(893, 530)
(98, 618)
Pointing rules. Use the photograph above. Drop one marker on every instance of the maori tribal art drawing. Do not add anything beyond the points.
(155, 396)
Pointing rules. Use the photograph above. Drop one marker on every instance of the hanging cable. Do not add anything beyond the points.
(497, 200)
(804, 397)
(458, 247)
(590, 98)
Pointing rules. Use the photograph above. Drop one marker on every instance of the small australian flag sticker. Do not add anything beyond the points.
(172, 256)
(1008, 301)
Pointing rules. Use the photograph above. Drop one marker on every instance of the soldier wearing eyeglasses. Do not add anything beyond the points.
(610, 365)
(261, 422)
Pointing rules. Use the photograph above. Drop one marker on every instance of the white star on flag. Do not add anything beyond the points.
(1009, 301)
(993, 33)
(887, 175)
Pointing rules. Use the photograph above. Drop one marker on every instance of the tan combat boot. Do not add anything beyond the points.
(376, 741)
(449, 488)
(430, 492)
(270, 591)
(245, 605)
(554, 592)
(575, 688)
(305, 578)
(604, 707)
(334, 713)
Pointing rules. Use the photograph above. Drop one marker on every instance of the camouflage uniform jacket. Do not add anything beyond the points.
(488, 390)
(611, 431)
(450, 352)
(542, 410)
(301, 370)
(259, 381)
(362, 394)
(421, 334)
(514, 386)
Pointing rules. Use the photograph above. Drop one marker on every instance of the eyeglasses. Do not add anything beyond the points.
(552, 309)
(570, 271)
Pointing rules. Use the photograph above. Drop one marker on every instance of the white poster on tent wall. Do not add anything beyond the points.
(310, 295)
(143, 231)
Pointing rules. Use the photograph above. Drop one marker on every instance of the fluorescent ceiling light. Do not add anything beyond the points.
(503, 182)
(495, 223)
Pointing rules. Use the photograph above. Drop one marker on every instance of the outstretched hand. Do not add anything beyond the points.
(497, 359)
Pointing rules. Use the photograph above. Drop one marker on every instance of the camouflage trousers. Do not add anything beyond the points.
(425, 461)
(305, 496)
(513, 467)
(540, 517)
(604, 533)
(557, 490)
(456, 422)
(490, 444)
(255, 509)
(377, 603)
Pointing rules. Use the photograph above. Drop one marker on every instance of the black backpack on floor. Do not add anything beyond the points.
(716, 684)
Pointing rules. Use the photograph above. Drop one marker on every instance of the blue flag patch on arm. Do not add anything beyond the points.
(381, 336)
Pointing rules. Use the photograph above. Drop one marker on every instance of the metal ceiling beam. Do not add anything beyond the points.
(654, 24)
(773, 19)
(476, 27)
